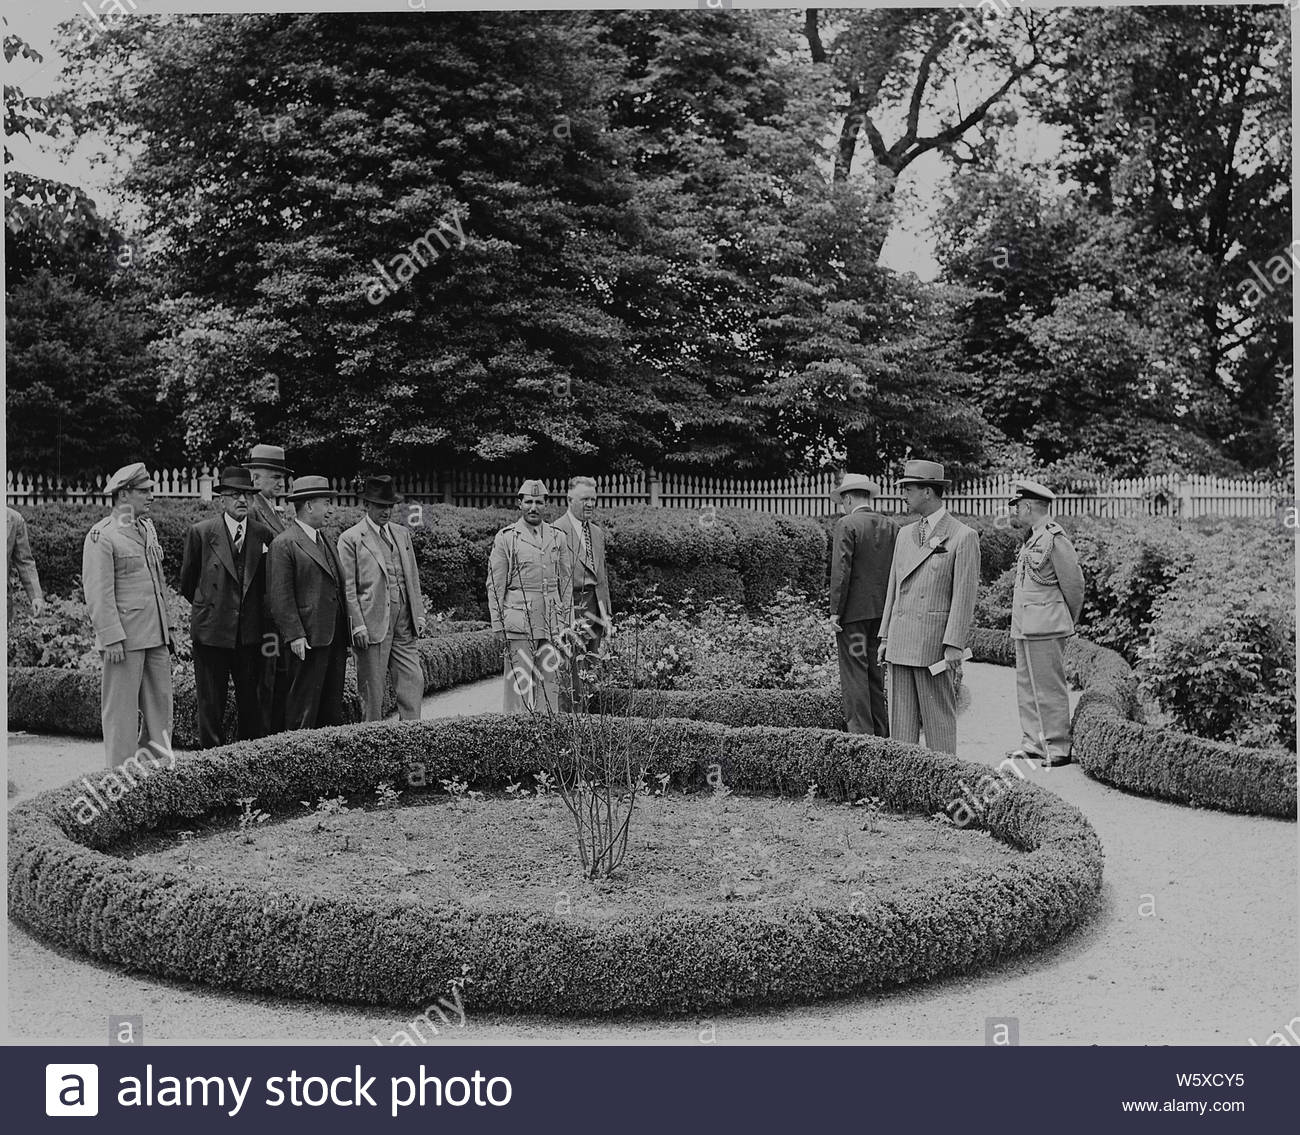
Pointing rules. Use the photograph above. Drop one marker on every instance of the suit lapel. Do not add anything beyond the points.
(925, 551)
(314, 549)
(376, 546)
(220, 541)
(252, 553)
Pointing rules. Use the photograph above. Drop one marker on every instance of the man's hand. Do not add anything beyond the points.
(38, 605)
(880, 653)
(952, 656)
(834, 621)
(115, 653)
(361, 637)
(420, 624)
(299, 647)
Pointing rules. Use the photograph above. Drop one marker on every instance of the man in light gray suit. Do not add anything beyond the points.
(929, 605)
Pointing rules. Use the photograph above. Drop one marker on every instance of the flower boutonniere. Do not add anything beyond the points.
(937, 543)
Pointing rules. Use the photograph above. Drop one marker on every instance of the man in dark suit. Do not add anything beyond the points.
(591, 606)
(270, 473)
(305, 583)
(223, 575)
(860, 557)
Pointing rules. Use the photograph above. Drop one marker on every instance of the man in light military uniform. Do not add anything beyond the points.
(530, 601)
(1045, 607)
(121, 571)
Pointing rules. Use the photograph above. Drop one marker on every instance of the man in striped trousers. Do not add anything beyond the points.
(929, 605)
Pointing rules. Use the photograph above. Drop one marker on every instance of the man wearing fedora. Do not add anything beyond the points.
(863, 548)
(591, 605)
(223, 575)
(1045, 606)
(530, 601)
(929, 606)
(270, 471)
(381, 583)
(305, 583)
(122, 573)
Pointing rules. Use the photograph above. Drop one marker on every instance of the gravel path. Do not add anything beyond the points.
(1194, 943)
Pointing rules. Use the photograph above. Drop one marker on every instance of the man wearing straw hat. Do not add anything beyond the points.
(1045, 606)
(530, 601)
(385, 608)
(270, 473)
(305, 583)
(860, 558)
(929, 606)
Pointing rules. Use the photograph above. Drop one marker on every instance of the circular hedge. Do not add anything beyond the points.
(48, 699)
(1112, 745)
(66, 883)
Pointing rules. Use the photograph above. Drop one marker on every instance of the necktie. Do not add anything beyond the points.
(388, 539)
(586, 538)
(922, 530)
(239, 538)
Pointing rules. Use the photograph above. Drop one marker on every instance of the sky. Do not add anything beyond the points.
(909, 248)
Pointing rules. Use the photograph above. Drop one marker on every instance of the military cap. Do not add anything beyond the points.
(304, 488)
(133, 476)
(1030, 490)
(532, 489)
(855, 482)
(922, 473)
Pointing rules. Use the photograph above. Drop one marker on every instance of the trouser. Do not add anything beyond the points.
(531, 676)
(315, 694)
(589, 630)
(395, 658)
(136, 704)
(919, 700)
(1040, 671)
(862, 681)
(274, 687)
(214, 667)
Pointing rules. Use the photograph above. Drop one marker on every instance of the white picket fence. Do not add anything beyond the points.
(807, 495)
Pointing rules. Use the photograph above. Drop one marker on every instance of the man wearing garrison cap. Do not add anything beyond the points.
(929, 606)
(1045, 606)
(530, 602)
(122, 574)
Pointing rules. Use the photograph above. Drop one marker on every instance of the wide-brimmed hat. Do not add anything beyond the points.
(305, 488)
(1030, 490)
(133, 476)
(923, 473)
(532, 489)
(268, 457)
(235, 479)
(380, 490)
(856, 483)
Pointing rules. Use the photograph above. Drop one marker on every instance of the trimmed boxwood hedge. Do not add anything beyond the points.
(65, 883)
(1112, 745)
(45, 699)
(810, 709)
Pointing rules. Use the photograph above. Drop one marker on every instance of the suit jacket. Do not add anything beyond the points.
(595, 558)
(122, 575)
(860, 558)
(365, 577)
(305, 583)
(18, 553)
(261, 511)
(1048, 596)
(530, 582)
(930, 596)
(229, 598)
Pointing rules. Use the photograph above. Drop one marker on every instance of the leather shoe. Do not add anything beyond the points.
(1054, 762)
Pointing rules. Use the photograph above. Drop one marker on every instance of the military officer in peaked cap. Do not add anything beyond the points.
(1045, 606)
(530, 601)
(122, 574)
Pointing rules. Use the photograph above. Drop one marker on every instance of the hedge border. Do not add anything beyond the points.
(48, 699)
(1113, 746)
(64, 884)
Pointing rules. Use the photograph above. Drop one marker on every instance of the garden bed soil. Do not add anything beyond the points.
(503, 853)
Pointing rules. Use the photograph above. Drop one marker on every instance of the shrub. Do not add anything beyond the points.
(993, 602)
(1222, 654)
(65, 883)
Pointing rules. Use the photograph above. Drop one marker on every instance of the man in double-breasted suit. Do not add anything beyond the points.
(1045, 606)
(122, 574)
(305, 582)
(862, 550)
(270, 474)
(591, 605)
(18, 557)
(929, 605)
(530, 601)
(223, 575)
(381, 583)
